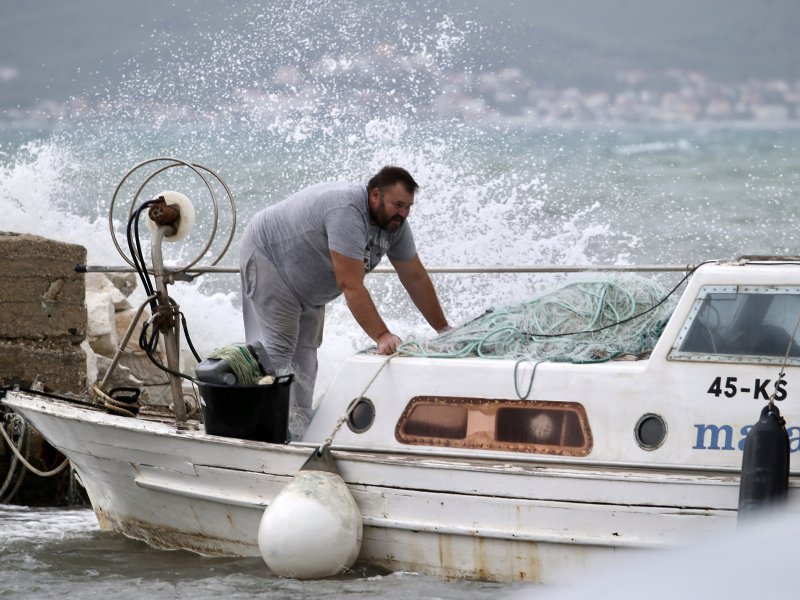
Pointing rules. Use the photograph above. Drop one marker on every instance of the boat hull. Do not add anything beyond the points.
(455, 518)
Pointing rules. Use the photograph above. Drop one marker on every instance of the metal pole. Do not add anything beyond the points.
(171, 333)
(123, 343)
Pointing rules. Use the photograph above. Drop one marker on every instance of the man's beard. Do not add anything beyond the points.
(390, 224)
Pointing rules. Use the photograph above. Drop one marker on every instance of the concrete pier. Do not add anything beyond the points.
(42, 338)
(42, 313)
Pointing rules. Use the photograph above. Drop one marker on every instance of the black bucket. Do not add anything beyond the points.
(248, 412)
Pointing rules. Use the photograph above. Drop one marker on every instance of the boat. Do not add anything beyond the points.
(458, 475)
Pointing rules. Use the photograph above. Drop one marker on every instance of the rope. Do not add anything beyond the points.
(33, 469)
(113, 405)
(12, 468)
(782, 372)
(241, 362)
(329, 440)
(520, 395)
(581, 322)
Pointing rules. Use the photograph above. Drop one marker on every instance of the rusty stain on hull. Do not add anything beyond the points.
(478, 559)
(168, 538)
(455, 556)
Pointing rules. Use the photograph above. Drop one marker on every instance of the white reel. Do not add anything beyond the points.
(185, 223)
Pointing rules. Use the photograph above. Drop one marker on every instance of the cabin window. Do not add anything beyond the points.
(513, 425)
(444, 421)
(742, 324)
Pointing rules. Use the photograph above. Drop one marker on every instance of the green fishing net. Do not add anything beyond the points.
(241, 361)
(584, 321)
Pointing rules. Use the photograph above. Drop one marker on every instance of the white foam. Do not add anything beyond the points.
(21, 523)
(36, 197)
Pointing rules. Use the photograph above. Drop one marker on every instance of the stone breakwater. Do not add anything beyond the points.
(63, 328)
(42, 313)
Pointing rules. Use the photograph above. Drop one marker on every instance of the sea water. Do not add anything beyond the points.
(492, 194)
(61, 553)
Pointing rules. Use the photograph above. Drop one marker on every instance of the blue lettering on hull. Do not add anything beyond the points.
(721, 437)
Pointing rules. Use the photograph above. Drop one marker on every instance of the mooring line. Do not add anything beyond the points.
(329, 440)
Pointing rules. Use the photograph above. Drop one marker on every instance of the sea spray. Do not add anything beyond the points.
(37, 196)
(274, 98)
(283, 95)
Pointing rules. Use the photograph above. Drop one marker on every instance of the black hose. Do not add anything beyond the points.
(149, 347)
(135, 247)
(188, 337)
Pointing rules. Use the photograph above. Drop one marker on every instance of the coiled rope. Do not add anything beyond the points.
(243, 364)
(126, 404)
(14, 475)
(22, 459)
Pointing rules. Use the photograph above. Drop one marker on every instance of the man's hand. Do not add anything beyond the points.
(387, 343)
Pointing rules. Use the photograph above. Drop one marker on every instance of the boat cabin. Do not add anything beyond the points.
(731, 344)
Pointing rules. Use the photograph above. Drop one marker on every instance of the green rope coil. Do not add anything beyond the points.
(585, 321)
(243, 364)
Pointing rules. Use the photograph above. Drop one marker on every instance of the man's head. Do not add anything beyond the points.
(390, 196)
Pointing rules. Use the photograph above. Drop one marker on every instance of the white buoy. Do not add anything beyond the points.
(313, 528)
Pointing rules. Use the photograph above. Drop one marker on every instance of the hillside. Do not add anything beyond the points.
(51, 50)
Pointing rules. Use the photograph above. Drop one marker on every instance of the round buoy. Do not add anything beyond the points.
(313, 528)
(765, 464)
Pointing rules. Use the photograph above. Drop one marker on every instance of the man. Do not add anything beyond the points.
(299, 254)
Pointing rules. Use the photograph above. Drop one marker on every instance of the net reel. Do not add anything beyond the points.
(176, 200)
(170, 217)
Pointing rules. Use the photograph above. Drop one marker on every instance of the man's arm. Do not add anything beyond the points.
(418, 284)
(349, 274)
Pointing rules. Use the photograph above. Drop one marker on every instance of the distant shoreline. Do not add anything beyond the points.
(518, 123)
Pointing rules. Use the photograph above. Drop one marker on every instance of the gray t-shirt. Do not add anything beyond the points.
(299, 232)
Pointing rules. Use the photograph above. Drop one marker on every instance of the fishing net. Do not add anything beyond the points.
(241, 361)
(584, 321)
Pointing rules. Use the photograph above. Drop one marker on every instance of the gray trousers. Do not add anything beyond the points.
(290, 331)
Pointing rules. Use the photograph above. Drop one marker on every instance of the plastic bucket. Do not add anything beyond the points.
(248, 412)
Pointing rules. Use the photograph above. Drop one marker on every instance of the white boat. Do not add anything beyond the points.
(455, 475)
